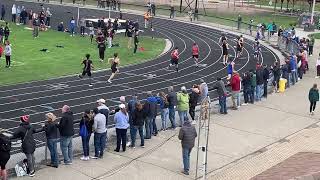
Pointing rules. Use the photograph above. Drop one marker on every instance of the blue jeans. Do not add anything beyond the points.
(172, 117)
(99, 144)
(259, 92)
(85, 145)
(223, 104)
(134, 135)
(164, 117)
(148, 126)
(186, 158)
(66, 148)
(52, 146)
(182, 115)
(154, 129)
(294, 77)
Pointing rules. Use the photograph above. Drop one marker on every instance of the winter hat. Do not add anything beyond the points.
(65, 108)
(25, 118)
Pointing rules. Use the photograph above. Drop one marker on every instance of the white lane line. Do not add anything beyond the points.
(148, 84)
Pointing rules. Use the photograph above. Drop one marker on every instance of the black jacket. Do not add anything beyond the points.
(25, 133)
(66, 124)
(138, 117)
(193, 99)
(172, 99)
(266, 74)
(246, 82)
(51, 129)
(259, 76)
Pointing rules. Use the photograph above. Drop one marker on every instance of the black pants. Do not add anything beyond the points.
(14, 17)
(121, 136)
(313, 106)
(101, 53)
(48, 21)
(310, 50)
(8, 61)
(135, 47)
(265, 89)
(192, 112)
(2, 16)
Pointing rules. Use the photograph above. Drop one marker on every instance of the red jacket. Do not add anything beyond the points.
(235, 82)
(1, 50)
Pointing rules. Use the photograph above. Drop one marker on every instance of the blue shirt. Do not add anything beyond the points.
(121, 120)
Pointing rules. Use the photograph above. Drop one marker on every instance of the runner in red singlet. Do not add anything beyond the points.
(195, 53)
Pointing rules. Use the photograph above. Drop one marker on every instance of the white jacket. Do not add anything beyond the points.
(14, 10)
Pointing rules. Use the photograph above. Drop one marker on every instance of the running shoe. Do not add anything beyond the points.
(90, 85)
(109, 81)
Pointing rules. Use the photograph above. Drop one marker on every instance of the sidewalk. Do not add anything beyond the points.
(242, 144)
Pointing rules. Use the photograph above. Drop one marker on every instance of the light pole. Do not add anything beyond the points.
(312, 13)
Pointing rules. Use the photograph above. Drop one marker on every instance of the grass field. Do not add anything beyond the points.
(29, 63)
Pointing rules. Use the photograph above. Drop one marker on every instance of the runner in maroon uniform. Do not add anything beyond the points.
(87, 68)
(174, 58)
(195, 53)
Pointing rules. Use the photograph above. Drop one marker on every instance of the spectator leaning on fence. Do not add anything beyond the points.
(183, 104)
(66, 134)
(137, 117)
(86, 124)
(52, 134)
(222, 94)
(121, 120)
(172, 99)
(100, 133)
(25, 133)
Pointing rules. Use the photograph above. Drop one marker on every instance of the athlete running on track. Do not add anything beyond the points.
(225, 52)
(115, 62)
(88, 66)
(257, 50)
(195, 53)
(174, 58)
(239, 46)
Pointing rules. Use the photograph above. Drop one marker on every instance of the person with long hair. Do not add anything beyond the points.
(51, 129)
(164, 104)
(313, 98)
(115, 62)
(86, 125)
(121, 120)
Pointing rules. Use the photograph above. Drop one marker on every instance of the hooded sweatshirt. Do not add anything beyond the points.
(183, 101)
(66, 124)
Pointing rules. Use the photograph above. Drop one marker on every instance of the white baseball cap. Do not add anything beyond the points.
(122, 106)
(101, 101)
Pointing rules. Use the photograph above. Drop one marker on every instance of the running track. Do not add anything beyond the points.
(38, 98)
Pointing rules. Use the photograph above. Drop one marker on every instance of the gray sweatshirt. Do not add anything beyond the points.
(99, 124)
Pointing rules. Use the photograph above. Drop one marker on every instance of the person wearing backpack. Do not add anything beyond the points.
(51, 129)
(86, 124)
(25, 132)
(164, 104)
(5, 147)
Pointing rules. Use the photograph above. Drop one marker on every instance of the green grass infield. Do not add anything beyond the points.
(28, 63)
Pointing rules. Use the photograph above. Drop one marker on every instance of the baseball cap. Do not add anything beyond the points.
(101, 101)
(122, 106)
